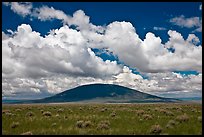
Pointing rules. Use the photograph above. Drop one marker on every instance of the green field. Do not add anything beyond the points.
(113, 119)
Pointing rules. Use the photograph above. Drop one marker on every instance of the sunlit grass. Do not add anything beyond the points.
(102, 119)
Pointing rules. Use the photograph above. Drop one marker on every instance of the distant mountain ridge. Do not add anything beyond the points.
(102, 93)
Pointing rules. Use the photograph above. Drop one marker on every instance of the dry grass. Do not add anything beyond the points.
(27, 133)
(114, 119)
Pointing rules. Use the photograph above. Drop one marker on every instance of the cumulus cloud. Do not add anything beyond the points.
(67, 52)
(64, 52)
(192, 22)
(35, 65)
(163, 84)
(150, 55)
(159, 28)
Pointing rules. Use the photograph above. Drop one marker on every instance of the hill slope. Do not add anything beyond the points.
(108, 93)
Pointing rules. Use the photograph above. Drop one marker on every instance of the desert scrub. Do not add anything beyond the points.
(47, 113)
(113, 114)
(125, 122)
(147, 117)
(156, 129)
(182, 118)
(6, 111)
(172, 122)
(60, 110)
(9, 114)
(57, 116)
(83, 124)
(29, 114)
(41, 110)
(103, 125)
(80, 123)
(140, 112)
(14, 124)
(103, 109)
(18, 110)
(87, 124)
(200, 118)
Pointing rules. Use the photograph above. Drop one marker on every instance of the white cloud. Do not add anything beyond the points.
(4, 36)
(21, 8)
(45, 13)
(33, 65)
(192, 22)
(159, 28)
(200, 7)
(27, 54)
(66, 53)
(151, 55)
(162, 84)
(79, 19)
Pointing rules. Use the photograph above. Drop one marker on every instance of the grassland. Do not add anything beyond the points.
(106, 119)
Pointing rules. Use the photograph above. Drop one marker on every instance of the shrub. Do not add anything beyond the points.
(156, 129)
(14, 124)
(65, 117)
(87, 124)
(140, 112)
(79, 123)
(47, 113)
(169, 113)
(166, 112)
(104, 109)
(6, 111)
(18, 110)
(200, 118)
(29, 108)
(103, 125)
(147, 117)
(29, 114)
(149, 109)
(113, 114)
(169, 126)
(182, 118)
(83, 124)
(9, 114)
(60, 110)
(172, 122)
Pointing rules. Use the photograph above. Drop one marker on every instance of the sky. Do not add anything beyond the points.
(153, 47)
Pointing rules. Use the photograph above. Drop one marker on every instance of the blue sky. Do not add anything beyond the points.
(177, 24)
(143, 15)
(140, 14)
